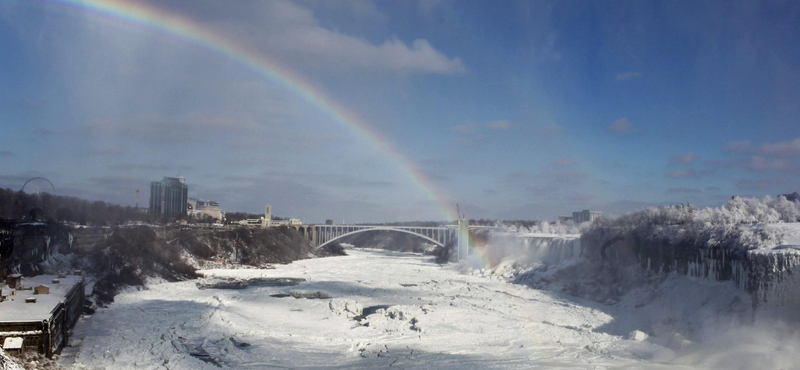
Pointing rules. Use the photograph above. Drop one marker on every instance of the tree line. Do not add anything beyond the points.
(47, 207)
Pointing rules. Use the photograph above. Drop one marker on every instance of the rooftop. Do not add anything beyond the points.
(14, 307)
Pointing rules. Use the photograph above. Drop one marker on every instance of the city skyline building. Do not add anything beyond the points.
(586, 216)
(169, 197)
(199, 208)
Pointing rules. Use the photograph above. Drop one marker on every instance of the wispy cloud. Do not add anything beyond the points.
(691, 174)
(564, 162)
(782, 149)
(738, 146)
(762, 184)
(517, 177)
(684, 159)
(684, 191)
(466, 128)
(549, 130)
(13, 181)
(472, 127)
(499, 125)
(622, 126)
(474, 135)
(150, 167)
(624, 76)
(568, 177)
(29, 104)
(361, 8)
(330, 179)
(789, 148)
(490, 192)
(763, 163)
(6, 153)
(580, 198)
(776, 156)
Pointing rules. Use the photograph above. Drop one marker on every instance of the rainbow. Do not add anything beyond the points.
(268, 68)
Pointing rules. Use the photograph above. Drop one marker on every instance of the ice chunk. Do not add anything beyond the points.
(638, 335)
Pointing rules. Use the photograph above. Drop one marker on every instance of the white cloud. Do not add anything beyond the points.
(782, 149)
(291, 32)
(622, 126)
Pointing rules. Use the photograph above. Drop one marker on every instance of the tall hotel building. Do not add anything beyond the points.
(169, 196)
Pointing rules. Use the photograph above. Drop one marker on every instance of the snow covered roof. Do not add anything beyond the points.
(12, 343)
(14, 307)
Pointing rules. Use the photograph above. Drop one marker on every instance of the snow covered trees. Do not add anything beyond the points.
(728, 225)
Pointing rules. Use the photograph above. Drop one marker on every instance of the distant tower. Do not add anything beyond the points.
(267, 216)
(137, 197)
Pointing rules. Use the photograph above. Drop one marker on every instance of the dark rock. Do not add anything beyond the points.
(330, 250)
(794, 197)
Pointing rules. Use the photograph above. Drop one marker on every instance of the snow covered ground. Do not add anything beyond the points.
(790, 235)
(427, 316)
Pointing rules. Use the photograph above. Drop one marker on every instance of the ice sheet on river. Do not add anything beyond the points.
(387, 309)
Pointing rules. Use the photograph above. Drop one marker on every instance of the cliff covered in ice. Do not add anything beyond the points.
(750, 241)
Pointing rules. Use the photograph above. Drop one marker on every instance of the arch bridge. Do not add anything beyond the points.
(320, 235)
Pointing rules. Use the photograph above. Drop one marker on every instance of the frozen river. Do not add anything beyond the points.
(422, 316)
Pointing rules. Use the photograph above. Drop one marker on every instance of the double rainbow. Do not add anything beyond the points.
(268, 68)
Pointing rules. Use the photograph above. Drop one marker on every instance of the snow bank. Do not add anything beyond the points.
(672, 292)
(346, 307)
(397, 318)
(7, 363)
(415, 314)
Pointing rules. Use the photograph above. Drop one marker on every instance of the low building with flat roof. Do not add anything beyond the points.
(199, 208)
(288, 222)
(586, 216)
(42, 317)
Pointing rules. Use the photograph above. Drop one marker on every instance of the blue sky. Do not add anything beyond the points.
(511, 109)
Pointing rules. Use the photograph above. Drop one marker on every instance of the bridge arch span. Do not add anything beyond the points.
(434, 241)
